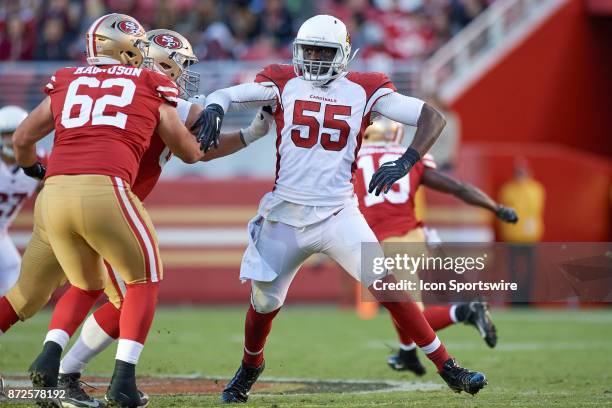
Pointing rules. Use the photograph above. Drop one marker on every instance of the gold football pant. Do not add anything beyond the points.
(76, 220)
(41, 272)
(90, 217)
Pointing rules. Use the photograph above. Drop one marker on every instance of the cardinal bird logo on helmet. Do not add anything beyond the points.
(130, 27)
(168, 41)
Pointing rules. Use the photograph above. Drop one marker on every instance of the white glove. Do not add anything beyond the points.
(258, 128)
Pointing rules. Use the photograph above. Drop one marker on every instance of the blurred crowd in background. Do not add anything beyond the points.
(236, 29)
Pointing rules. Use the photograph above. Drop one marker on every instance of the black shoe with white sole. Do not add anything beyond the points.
(76, 397)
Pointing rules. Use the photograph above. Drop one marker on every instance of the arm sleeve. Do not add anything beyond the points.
(182, 108)
(400, 108)
(242, 97)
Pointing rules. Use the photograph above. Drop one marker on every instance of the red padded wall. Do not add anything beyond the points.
(555, 86)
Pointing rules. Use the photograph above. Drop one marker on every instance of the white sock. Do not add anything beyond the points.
(129, 351)
(58, 336)
(92, 341)
(453, 314)
(408, 347)
(431, 347)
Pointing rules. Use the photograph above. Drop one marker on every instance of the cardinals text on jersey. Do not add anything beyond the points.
(319, 132)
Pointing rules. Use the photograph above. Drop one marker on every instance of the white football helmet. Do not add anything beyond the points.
(10, 118)
(321, 31)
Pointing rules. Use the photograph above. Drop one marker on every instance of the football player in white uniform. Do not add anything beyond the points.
(321, 110)
(15, 187)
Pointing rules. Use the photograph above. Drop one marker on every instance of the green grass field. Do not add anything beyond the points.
(544, 358)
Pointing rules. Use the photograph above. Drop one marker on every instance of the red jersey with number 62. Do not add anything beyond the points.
(104, 118)
(319, 132)
(391, 214)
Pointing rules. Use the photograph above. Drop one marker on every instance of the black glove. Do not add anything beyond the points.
(208, 126)
(506, 214)
(37, 171)
(390, 172)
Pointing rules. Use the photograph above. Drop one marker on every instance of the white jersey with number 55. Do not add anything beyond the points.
(319, 128)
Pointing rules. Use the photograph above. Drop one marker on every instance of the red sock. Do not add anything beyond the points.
(8, 316)
(405, 339)
(72, 309)
(438, 316)
(107, 316)
(138, 310)
(257, 326)
(410, 319)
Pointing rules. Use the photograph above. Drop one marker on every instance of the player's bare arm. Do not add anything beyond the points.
(235, 98)
(235, 141)
(176, 136)
(37, 125)
(467, 193)
(410, 111)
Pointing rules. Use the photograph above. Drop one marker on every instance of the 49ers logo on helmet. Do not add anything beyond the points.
(130, 27)
(167, 41)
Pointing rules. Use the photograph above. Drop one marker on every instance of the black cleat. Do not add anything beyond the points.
(122, 391)
(76, 396)
(479, 316)
(406, 360)
(44, 371)
(237, 390)
(124, 394)
(461, 379)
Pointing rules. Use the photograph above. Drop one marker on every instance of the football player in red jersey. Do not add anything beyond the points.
(104, 116)
(393, 219)
(321, 110)
(171, 54)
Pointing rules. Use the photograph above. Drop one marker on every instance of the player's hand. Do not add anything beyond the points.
(259, 127)
(387, 174)
(208, 126)
(37, 171)
(506, 214)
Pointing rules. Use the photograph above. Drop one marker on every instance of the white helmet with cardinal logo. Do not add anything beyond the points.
(322, 31)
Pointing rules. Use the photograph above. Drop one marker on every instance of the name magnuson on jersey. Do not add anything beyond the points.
(319, 132)
(391, 214)
(104, 118)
